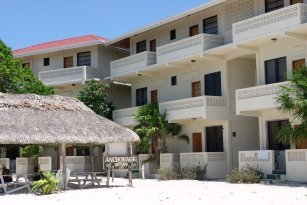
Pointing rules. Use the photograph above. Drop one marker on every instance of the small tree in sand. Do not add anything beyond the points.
(292, 99)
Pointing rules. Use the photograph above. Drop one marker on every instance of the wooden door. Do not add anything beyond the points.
(194, 30)
(298, 64)
(303, 144)
(296, 1)
(197, 142)
(196, 89)
(154, 97)
(68, 62)
(70, 151)
(153, 45)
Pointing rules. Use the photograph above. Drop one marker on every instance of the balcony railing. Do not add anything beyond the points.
(125, 117)
(258, 97)
(133, 63)
(274, 21)
(188, 47)
(197, 107)
(68, 75)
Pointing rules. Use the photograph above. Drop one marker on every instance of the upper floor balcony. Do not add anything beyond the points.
(133, 64)
(280, 20)
(204, 107)
(255, 99)
(79, 74)
(188, 47)
(125, 117)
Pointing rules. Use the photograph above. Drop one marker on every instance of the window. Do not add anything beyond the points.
(214, 139)
(84, 59)
(174, 80)
(273, 129)
(141, 46)
(153, 45)
(271, 5)
(213, 84)
(297, 64)
(141, 96)
(26, 65)
(275, 70)
(210, 25)
(194, 30)
(46, 61)
(173, 34)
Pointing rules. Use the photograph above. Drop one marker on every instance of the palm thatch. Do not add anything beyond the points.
(34, 119)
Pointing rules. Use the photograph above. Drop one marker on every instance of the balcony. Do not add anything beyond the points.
(125, 117)
(68, 75)
(275, 21)
(191, 46)
(257, 98)
(205, 107)
(133, 64)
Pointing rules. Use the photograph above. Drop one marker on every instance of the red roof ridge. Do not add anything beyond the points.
(60, 43)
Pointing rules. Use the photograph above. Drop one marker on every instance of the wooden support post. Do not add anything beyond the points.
(92, 158)
(64, 165)
(112, 174)
(108, 178)
(130, 168)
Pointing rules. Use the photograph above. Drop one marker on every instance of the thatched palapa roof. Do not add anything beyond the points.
(34, 119)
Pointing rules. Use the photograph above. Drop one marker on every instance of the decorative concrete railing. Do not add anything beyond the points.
(133, 63)
(197, 107)
(68, 75)
(5, 161)
(25, 165)
(125, 117)
(259, 91)
(296, 165)
(279, 20)
(45, 163)
(77, 163)
(169, 160)
(187, 47)
(259, 159)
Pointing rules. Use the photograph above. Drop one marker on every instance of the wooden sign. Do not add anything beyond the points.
(124, 162)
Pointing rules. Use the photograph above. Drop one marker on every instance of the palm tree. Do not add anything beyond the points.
(153, 130)
(292, 99)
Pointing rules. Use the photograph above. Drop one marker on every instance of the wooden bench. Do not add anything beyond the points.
(11, 187)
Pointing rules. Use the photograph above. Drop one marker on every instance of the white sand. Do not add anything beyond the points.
(172, 192)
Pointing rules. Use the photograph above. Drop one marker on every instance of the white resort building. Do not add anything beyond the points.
(214, 69)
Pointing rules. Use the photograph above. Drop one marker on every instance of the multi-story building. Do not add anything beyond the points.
(215, 69)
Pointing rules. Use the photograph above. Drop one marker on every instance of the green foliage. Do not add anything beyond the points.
(193, 173)
(153, 129)
(245, 175)
(16, 79)
(33, 151)
(292, 99)
(95, 97)
(47, 185)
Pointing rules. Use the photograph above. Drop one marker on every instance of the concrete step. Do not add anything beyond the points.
(277, 177)
(282, 172)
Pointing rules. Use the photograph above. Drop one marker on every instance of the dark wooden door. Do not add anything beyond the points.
(197, 142)
(273, 127)
(70, 151)
(298, 64)
(213, 84)
(153, 45)
(154, 96)
(68, 62)
(194, 30)
(214, 139)
(196, 90)
(296, 1)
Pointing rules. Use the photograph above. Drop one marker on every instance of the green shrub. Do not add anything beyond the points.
(245, 175)
(47, 185)
(193, 173)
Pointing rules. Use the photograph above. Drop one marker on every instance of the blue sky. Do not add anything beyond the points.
(29, 22)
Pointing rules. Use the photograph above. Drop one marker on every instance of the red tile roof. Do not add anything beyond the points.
(60, 44)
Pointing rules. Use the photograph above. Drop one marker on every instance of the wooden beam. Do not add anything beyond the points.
(64, 165)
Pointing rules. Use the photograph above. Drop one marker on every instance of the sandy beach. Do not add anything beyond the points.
(172, 192)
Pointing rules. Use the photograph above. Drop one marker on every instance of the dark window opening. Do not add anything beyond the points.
(213, 84)
(141, 46)
(84, 59)
(174, 80)
(210, 25)
(46, 61)
(153, 45)
(275, 70)
(173, 34)
(273, 129)
(141, 96)
(271, 5)
(26, 65)
(214, 139)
